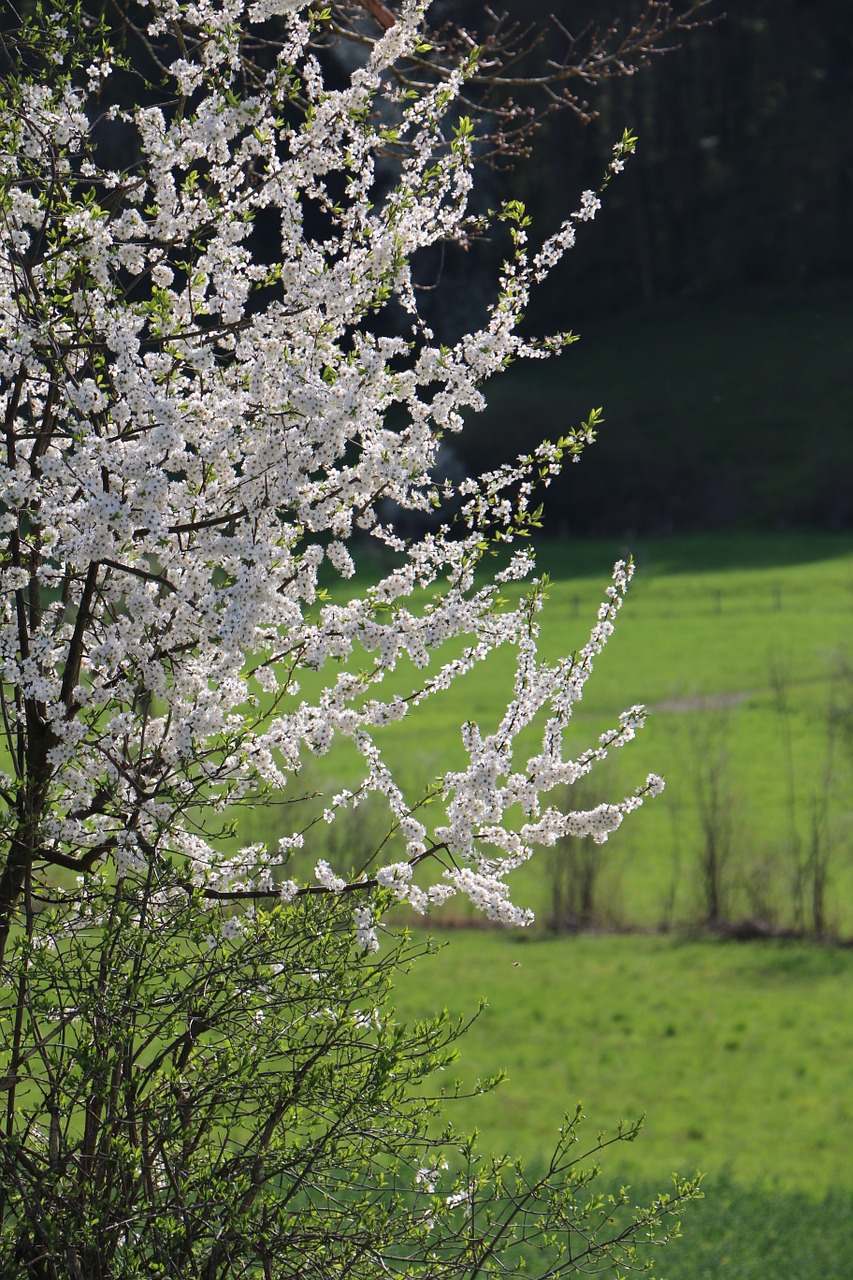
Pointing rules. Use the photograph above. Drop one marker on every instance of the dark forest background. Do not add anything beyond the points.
(743, 179)
(712, 294)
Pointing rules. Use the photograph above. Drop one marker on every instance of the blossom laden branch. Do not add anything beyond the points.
(222, 408)
(193, 437)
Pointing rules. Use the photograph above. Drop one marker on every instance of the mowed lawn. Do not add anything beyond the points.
(739, 1054)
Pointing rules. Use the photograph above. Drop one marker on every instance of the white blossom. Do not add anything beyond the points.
(194, 436)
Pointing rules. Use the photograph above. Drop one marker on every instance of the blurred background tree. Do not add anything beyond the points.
(742, 180)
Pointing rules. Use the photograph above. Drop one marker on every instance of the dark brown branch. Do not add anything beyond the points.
(71, 675)
(145, 574)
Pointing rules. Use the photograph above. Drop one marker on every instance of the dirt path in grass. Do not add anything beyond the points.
(703, 702)
(720, 701)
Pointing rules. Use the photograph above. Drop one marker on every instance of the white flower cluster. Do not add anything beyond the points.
(590, 205)
(365, 930)
(191, 433)
(428, 1176)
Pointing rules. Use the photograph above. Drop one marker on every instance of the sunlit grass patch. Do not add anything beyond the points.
(738, 1054)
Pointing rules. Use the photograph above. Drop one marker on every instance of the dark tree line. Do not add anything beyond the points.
(730, 229)
(742, 178)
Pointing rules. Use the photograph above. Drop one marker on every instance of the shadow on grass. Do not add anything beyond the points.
(750, 1233)
(694, 553)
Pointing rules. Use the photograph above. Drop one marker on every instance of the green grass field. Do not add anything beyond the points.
(738, 1054)
(707, 622)
(713, 1041)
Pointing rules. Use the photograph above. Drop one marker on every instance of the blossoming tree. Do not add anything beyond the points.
(200, 1073)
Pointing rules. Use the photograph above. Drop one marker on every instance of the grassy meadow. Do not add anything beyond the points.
(715, 635)
(738, 645)
(737, 1053)
(714, 1041)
